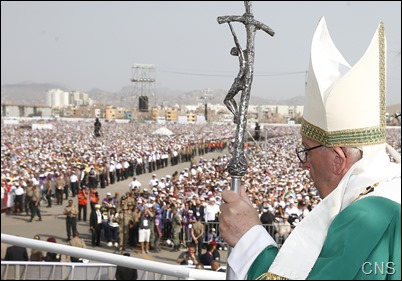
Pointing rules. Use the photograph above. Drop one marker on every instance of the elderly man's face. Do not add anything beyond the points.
(320, 163)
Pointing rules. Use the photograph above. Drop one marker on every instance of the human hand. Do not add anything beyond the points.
(237, 216)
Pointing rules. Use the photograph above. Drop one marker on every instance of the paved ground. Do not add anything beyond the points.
(53, 223)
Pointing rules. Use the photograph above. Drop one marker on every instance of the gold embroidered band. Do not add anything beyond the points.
(353, 137)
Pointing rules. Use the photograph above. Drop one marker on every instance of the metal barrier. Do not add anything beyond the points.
(208, 236)
(147, 270)
(15, 270)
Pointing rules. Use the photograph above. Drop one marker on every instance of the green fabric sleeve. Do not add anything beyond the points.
(363, 242)
(262, 263)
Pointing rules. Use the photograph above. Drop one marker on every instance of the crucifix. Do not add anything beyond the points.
(237, 166)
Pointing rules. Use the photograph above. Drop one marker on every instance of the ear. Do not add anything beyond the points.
(339, 162)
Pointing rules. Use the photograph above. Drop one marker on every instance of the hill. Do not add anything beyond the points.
(27, 93)
(35, 93)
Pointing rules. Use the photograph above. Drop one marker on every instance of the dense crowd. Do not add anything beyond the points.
(30, 157)
(67, 161)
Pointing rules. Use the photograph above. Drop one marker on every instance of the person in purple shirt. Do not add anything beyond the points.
(158, 229)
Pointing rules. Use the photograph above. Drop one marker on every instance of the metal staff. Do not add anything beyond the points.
(237, 166)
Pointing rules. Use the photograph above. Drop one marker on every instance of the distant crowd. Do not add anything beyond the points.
(177, 209)
(68, 156)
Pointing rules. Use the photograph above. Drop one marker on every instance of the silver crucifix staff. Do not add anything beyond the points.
(237, 166)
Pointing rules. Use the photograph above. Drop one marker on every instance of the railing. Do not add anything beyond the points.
(151, 270)
(270, 228)
(16, 270)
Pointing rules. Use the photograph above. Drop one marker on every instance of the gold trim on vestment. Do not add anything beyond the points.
(271, 276)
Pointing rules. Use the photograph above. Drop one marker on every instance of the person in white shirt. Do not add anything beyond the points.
(119, 171)
(74, 183)
(161, 184)
(181, 176)
(211, 210)
(134, 184)
(158, 160)
(112, 171)
(138, 168)
(150, 162)
(164, 159)
(153, 181)
(19, 198)
(126, 165)
(291, 209)
(193, 171)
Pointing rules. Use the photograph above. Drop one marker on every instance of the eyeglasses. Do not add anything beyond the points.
(302, 152)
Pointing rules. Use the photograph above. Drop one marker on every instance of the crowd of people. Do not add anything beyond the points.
(61, 160)
(45, 166)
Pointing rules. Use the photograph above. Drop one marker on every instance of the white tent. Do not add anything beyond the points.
(163, 131)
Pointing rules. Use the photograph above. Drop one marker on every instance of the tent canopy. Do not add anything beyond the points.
(163, 131)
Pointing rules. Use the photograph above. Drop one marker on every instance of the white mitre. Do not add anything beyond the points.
(345, 106)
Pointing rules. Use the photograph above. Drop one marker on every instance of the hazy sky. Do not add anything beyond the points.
(84, 45)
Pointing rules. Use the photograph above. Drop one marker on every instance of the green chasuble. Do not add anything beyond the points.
(363, 242)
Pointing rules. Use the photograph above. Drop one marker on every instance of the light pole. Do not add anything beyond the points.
(205, 107)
